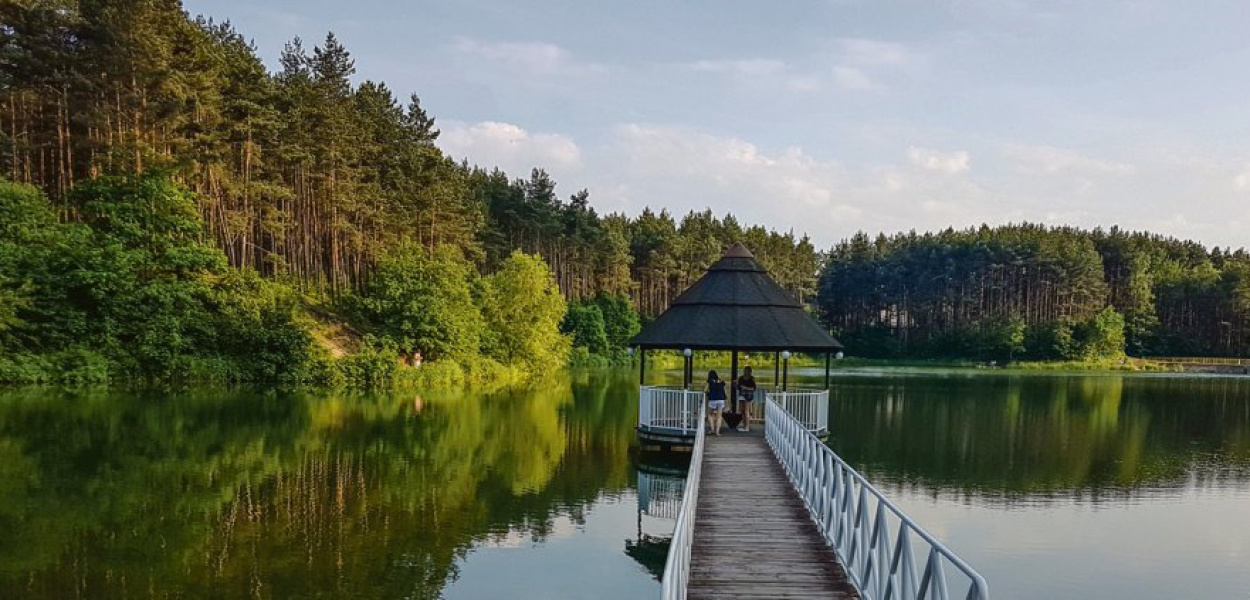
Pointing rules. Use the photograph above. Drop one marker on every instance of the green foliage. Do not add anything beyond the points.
(1101, 337)
(584, 324)
(146, 277)
(522, 308)
(1033, 291)
(132, 290)
(422, 302)
(1002, 339)
(259, 329)
(374, 365)
(581, 358)
(26, 216)
(620, 321)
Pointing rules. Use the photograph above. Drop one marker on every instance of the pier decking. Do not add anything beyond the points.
(753, 537)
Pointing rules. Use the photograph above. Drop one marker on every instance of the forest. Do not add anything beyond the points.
(328, 195)
(174, 208)
(1029, 291)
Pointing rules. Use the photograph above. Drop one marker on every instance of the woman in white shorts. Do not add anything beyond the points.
(716, 396)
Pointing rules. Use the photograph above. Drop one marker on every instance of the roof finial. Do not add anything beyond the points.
(738, 251)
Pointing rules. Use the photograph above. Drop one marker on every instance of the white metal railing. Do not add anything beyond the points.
(677, 566)
(669, 409)
(857, 521)
(809, 407)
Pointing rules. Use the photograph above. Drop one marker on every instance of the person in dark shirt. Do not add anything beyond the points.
(716, 396)
(746, 393)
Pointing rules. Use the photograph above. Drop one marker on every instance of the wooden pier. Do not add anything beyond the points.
(753, 537)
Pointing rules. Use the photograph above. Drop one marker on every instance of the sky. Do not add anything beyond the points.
(827, 117)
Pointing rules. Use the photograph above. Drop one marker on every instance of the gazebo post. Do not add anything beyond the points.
(776, 368)
(642, 365)
(687, 368)
(828, 358)
(733, 379)
(785, 373)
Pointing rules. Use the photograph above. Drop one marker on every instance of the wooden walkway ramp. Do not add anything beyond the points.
(753, 538)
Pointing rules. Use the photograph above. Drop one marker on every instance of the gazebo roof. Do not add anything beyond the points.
(736, 306)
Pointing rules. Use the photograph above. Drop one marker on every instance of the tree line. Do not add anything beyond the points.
(304, 175)
(1035, 291)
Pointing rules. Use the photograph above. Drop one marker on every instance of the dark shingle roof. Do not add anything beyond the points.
(736, 305)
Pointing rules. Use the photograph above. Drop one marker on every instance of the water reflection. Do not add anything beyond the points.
(1015, 438)
(660, 488)
(243, 494)
(1064, 486)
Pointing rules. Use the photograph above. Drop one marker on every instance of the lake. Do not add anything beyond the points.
(1100, 486)
(1064, 486)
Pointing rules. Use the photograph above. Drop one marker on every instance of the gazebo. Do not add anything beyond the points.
(734, 307)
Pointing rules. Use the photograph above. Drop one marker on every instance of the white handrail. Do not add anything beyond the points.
(677, 567)
(856, 521)
(809, 407)
(669, 409)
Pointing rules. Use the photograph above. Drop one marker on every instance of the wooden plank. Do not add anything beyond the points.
(753, 537)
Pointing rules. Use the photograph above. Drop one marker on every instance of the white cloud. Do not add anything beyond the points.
(510, 147)
(1241, 180)
(535, 57)
(683, 169)
(860, 63)
(933, 160)
(853, 79)
(749, 67)
(765, 73)
(860, 51)
(1051, 160)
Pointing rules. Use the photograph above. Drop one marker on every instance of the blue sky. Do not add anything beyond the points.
(829, 116)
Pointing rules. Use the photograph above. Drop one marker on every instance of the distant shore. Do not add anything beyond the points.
(1161, 365)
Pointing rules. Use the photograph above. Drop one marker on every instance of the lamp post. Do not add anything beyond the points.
(785, 370)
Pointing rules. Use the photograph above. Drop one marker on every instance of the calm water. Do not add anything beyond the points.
(1057, 486)
(237, 495)
(1053, 486)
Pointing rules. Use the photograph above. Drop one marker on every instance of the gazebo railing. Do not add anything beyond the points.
(809, 407)
(676, 410)
(669, 409)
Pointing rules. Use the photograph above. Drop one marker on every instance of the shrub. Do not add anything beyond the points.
(522, 308)
(584, 324)
(422, 302)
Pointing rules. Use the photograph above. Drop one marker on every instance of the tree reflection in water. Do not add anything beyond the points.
(1013, 439)
(296, 494)
(239, 494)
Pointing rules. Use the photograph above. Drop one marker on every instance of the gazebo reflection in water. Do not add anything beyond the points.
(661, 485)
(736, 308)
